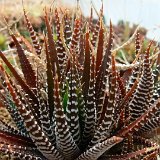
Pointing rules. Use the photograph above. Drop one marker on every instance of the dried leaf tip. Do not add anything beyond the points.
(8, 28)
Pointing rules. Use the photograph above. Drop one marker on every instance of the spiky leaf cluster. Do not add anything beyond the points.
(69, 101)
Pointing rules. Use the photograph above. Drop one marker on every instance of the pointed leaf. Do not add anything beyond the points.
(96, 151)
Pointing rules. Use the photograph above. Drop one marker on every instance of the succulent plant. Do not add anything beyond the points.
(69, 101)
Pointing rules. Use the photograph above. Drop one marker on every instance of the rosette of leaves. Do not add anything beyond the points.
(68, 100)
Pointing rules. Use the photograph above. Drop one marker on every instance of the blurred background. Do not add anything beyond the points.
(146, 13)
(125, 15)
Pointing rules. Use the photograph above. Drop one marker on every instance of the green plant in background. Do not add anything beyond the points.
(2, 42)
(69, 101)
